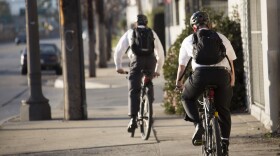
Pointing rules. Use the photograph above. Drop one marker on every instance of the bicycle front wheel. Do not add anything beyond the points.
(212, 145)
(146, 112)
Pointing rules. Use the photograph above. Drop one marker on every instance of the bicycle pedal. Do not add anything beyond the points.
(130, 129)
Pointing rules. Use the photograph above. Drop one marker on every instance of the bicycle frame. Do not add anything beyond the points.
(145, 113)
(212, 135)
(146, 109)
(208, 105)
(146, 83)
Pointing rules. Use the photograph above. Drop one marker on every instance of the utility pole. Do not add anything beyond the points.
(37, 106)
(75, 107)
(91, 41)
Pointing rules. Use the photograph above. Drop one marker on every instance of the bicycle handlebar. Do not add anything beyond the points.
(125, 72)
(146, 73)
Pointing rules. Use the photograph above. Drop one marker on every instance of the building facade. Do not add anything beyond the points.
(261, 43)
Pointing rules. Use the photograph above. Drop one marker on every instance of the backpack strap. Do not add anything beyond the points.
(195, 39)
(134, 33)
(133, 36)
(229, 63)
(183, 74)
(224, 48)
(151, 32)
(127, 49)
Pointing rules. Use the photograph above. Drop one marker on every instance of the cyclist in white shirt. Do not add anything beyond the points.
(220, 74)
(152, 63)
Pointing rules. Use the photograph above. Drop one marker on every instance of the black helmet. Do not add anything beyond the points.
(142, 19)
(199, 18)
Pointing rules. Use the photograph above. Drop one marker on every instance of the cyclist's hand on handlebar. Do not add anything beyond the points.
(179, 86)
(121, 71)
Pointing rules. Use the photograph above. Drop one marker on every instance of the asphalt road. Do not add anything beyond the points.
(14, 86)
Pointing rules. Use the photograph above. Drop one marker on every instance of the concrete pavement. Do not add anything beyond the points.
(104, 133)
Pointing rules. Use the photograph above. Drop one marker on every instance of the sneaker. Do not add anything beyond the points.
(132, 125)
(197, 136)
(225, 147)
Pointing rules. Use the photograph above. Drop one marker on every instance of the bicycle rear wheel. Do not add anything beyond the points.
(212, 145)
(146, 117)
(216, 137)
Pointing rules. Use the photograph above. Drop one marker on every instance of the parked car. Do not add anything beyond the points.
(20, 38)
(50, 58)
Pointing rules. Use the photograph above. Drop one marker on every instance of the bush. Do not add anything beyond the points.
(222, 24)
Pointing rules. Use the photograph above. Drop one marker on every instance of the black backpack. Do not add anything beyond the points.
(208, 47)
(142, 42)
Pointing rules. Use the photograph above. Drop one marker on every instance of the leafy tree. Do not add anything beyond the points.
(222, 24)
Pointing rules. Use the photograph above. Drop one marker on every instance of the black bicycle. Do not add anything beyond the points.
(145, 113)
(211, 139)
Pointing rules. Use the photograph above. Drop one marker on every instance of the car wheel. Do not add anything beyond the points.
(23, 70)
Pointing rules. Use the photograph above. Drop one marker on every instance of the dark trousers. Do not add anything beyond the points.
(137, 64)
(194, 87)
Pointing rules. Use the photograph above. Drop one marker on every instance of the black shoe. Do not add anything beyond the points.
(225, 147)
(197, 136)
(132, 125)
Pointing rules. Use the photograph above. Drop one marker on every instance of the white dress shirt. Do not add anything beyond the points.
(126, 41)
(186, 52)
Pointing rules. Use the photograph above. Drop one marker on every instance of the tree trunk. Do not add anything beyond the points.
(91, 41)
(101, 34)
(139, 5)
(109, 24)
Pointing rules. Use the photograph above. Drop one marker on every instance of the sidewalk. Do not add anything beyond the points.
(104, 133)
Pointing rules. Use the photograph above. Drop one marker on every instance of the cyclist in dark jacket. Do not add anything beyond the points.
(220, 74)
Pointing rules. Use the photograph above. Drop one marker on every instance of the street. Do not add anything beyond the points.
(14, 86)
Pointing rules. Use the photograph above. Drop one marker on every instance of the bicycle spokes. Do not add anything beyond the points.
(146, 118)
(212, 139)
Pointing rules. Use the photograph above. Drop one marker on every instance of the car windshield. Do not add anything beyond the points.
(47, 49)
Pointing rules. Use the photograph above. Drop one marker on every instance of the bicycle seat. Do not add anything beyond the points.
(211, 86)
(209, 89)
(147, 73)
